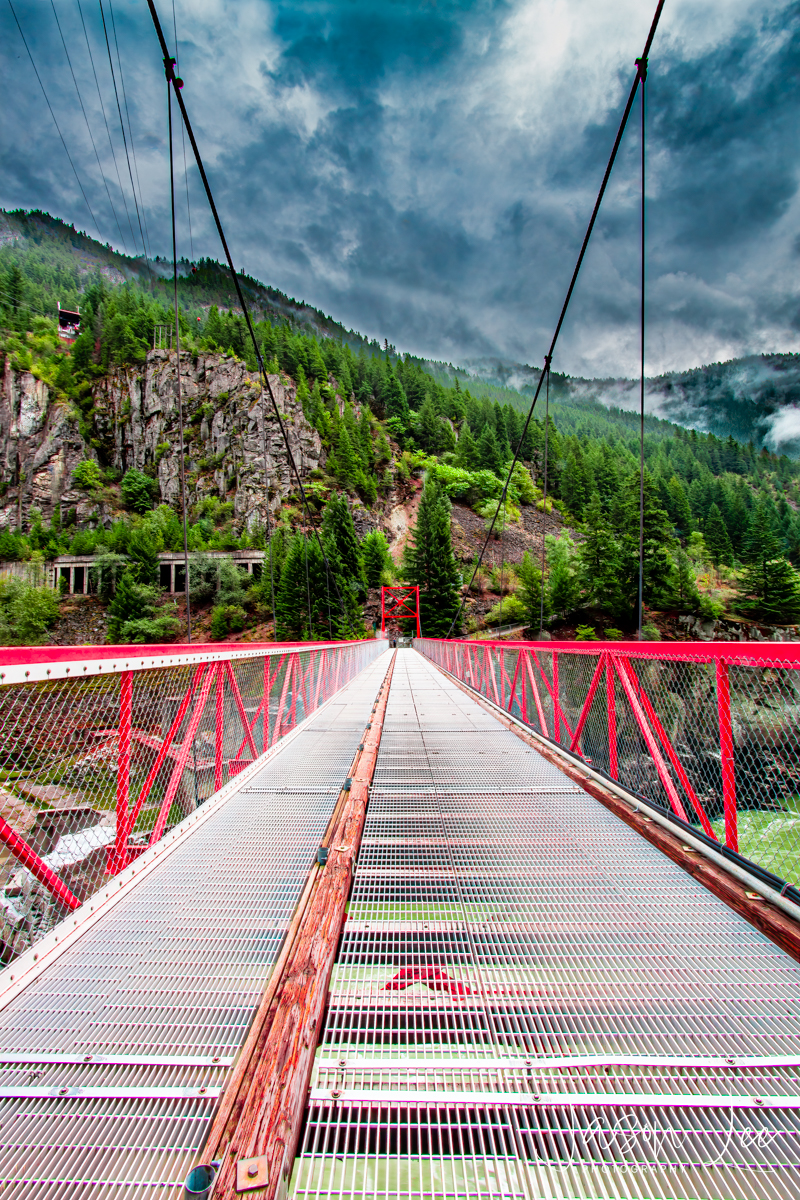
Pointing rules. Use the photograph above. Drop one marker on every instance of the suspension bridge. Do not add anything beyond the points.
(466, 919)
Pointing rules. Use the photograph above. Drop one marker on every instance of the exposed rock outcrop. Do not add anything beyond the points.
(135, 424)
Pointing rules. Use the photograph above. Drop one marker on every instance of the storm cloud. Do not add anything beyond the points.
(425, 171)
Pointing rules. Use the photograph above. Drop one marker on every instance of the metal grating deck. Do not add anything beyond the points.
(530, 1000)
(112, 1060)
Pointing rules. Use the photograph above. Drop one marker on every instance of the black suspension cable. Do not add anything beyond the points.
(544, 500)
(183, 137)
(642, 65)
(308, 584)
(108, 131)
(570, 289)
(55, 122)
(148, 255)
(237, 285)
(122, 127)
(178, 392)
(88, 126)
(266, 500)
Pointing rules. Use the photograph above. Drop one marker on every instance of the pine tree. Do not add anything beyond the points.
(562, 580)
(716, 537)
(684, 589)
(376, 556)
(430, 563)
(769, 587)
(489, 456)
(680, 510)
(344, 561)
(303, 573)
(530, 591)
(467, 455)
(144, 545)
(599, 559)
(394, 399)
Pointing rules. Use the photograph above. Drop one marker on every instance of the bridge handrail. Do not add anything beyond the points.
(104, 749)
(709, 731)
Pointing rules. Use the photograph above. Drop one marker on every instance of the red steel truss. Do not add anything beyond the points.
(178, 713)
(704, 729)
(400, 604)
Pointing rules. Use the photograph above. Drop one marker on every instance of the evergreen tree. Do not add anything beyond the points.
(467, 454)
(430, 563)
(530, 593)
(394, 399)
(376, 556)
(679, 509)
(600, 559)
(658, 543)
(562, 580)
(769, 587)
(489, 456)
(577, 484)
(717, 540)
(144, 545)
(303, 573)
(340, 541)
(684, 593)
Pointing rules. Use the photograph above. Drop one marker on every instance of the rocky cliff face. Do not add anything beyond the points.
(135, 424)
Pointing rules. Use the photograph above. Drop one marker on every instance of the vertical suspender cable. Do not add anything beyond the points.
(168, 66)
(183, 139)
(642, 65)
(612, 158)
(269, 527)
(178, 372)
(544, 499)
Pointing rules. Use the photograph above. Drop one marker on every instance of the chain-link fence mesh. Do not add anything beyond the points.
(93, 770)
(712, 734)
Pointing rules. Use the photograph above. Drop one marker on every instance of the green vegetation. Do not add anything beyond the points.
(722, 527)
(26, 613)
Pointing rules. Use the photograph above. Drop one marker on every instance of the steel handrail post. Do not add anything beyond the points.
(295, 671)
(611, 708)
(37, 866)
(118, 860)
(164, 749)
(219, 723)
(553, 696)
(726, 748)
(514, 687)
(587, 704)
(239, 702)
(661, 733)
(180, 763)
(650, 741)
(487, 661)
(284, 689)
(556, 701)
(536, 697)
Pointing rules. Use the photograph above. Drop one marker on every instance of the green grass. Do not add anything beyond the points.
(770, 839)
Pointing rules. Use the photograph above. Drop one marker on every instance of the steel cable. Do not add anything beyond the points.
(55, 122)
(571, 288)
(108, 131)
(88, 126)
(237, 285)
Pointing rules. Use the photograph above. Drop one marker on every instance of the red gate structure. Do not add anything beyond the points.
(105, 749)
(708, 731)
(400, 604)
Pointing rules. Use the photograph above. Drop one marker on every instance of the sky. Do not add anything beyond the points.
(424, 170)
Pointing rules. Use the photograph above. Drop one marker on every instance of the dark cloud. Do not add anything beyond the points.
(425, 171)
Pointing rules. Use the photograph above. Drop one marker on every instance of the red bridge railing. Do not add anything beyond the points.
(104, 749)
(709, 731)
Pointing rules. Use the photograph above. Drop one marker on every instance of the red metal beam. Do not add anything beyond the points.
(37, 867)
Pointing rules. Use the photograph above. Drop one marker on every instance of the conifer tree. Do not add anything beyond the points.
(717, 540)
(680, 510)
(467, 455)
(376, 556)
(489, 456)
(430, 563)
(769, 587)
(292, 618)
(394, 399)
(562, 580)
(600, 559)
(530, 583)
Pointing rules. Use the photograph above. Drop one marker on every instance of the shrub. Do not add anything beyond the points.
(614, 635)
(585, 633)
(508, 609)
(225, 619)
(132, 613)
(650, 632)
(137, 491)
(26, 613)
(87, 476)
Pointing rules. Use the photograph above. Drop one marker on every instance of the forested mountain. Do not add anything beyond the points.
(722, 531)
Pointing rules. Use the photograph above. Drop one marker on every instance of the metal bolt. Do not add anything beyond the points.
(215, 1058)
(252, 1171)
(202, 1090)
(87, 1057)
(759, 1100)
(63, 1091)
